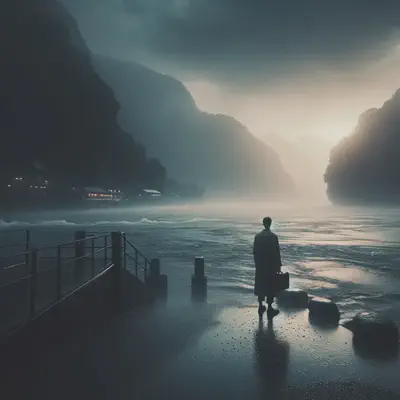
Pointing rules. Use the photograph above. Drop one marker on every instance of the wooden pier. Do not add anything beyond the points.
(34, 281)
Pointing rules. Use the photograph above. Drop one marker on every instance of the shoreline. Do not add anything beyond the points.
(93, 205)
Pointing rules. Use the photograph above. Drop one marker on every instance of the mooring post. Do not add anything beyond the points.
(155, 267)
(199, 280)
(80, 237)
(156, 282)
(199, 268)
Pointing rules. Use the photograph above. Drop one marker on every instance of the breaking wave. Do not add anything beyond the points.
(15, 224)
(62, 222)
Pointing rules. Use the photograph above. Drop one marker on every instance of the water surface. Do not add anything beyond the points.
(351, 255)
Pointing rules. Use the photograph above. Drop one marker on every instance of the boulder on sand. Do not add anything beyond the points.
(324, 310)
(373, 334)
(293, 298)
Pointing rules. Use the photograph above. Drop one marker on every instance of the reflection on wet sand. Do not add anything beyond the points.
(271, 356)
(381, 352)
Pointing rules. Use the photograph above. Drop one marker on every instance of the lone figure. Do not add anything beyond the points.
(267, 259)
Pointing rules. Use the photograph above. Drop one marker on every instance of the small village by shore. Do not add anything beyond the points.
(22, 192)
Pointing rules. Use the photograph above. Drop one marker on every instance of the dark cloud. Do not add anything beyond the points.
(238, 39)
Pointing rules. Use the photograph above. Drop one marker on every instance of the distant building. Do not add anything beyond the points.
(149, 193)
(100, 194)
(21, 183)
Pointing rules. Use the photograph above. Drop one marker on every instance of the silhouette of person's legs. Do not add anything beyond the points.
(261, 307)
(272, 312)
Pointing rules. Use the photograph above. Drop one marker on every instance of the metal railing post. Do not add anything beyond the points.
(124, 237)
(93, 259)
(33, 282)
(136, 263)
(105, 249)
(116, 247)
(27, 239)
(79, 253)
(59, 277)
(27, 245)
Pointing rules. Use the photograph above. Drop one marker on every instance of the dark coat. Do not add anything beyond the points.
(267, 259)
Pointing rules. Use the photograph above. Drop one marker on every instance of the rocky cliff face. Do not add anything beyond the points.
(56, 113)
(214, 151)
(364, 166)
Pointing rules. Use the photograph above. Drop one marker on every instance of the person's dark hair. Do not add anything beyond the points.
(267, 221)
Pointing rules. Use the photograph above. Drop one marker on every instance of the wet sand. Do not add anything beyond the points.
(203, 351)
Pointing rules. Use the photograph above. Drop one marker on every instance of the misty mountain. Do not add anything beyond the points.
(214, 151)
(364, 166)
(304, 158)
(56, 114)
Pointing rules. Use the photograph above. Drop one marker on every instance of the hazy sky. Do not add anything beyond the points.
(293, 67)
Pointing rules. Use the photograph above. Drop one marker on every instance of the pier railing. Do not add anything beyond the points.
(134, 260)
(34, 281)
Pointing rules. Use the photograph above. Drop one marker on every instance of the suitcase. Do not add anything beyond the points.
(283, 281)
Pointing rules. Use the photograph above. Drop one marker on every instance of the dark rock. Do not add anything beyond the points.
(322, 309)
(293, 298)
(372, 351)
(323, 324)
(374, 336)
(370, 324)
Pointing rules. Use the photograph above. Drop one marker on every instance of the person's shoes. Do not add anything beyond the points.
(261, 310)
(272, 312)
